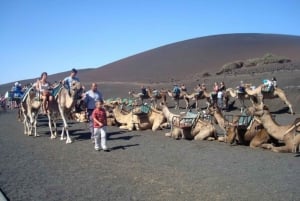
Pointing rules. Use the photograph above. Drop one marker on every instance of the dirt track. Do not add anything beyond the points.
(141, 166)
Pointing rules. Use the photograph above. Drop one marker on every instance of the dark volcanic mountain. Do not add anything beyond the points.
(187, 61)
(191, 58)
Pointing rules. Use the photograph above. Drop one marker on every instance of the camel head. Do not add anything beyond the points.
(211, 110)
(75, 88)
(257, 110)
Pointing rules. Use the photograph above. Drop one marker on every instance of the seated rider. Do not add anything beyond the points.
(183, 88)
(155, 92)
(199, 89)
(44, 89)
(176, 91)
(268, 85)
(241, 88)
(143, 91)
(274, 80)
(68, 80)
(213, 94)
(17, 90)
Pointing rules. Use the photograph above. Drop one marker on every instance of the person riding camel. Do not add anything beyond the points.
(143, 92)
(241, 88)
(68, 80)
(199, 89)
(183, 88)
(176, 91)
(268, 85)
(44, 89)
(274, 80)
(213, 94)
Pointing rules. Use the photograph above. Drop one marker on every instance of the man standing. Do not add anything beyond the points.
(90, 98)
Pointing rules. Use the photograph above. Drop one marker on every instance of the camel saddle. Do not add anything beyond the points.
(267, 89)
(188, 120)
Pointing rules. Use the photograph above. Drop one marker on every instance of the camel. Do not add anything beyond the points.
(156, 95)
(197, 97)
(62, 107)
(220, 120)
(238, 130)
(151, 119)
(136, 119)
(201, 130)
(182, 96)
(285, 133)
(125, 118)
(240, 96)
(254, 135)
(29, 107)
(275, 93)
(139, 96)
(296, 143)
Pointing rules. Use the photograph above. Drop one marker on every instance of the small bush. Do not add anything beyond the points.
(206, 74)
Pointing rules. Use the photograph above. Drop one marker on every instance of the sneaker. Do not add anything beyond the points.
(97, 149)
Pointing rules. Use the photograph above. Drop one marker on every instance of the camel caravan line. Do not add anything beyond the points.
(255, 127)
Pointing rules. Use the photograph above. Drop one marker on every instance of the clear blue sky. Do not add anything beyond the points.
(58, 35)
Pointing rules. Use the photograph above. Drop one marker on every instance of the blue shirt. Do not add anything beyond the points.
(91, 97)
(68, 80)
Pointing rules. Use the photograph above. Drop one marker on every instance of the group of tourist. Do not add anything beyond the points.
(93, 99)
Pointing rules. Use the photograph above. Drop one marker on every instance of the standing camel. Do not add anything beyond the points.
(275, 93)
(156, 95)
(139, 96)
(62, 107)
(240, 96)
(182, 96)
(197, 96)
(29, 107)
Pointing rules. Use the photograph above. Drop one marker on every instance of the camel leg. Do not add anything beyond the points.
(65, 127)
(35, 127)
(285, 100)
(155, 126)
(282, 149)
(53, 134)
(296, 143)
(259, 139)
(196, 104)
(177, 104)
(169, 134)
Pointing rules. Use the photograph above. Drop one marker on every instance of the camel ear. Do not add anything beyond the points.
(265, 107)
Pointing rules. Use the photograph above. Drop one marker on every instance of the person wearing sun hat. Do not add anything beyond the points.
(68, 80)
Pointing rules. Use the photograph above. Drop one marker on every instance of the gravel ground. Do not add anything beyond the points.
(141, 166)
